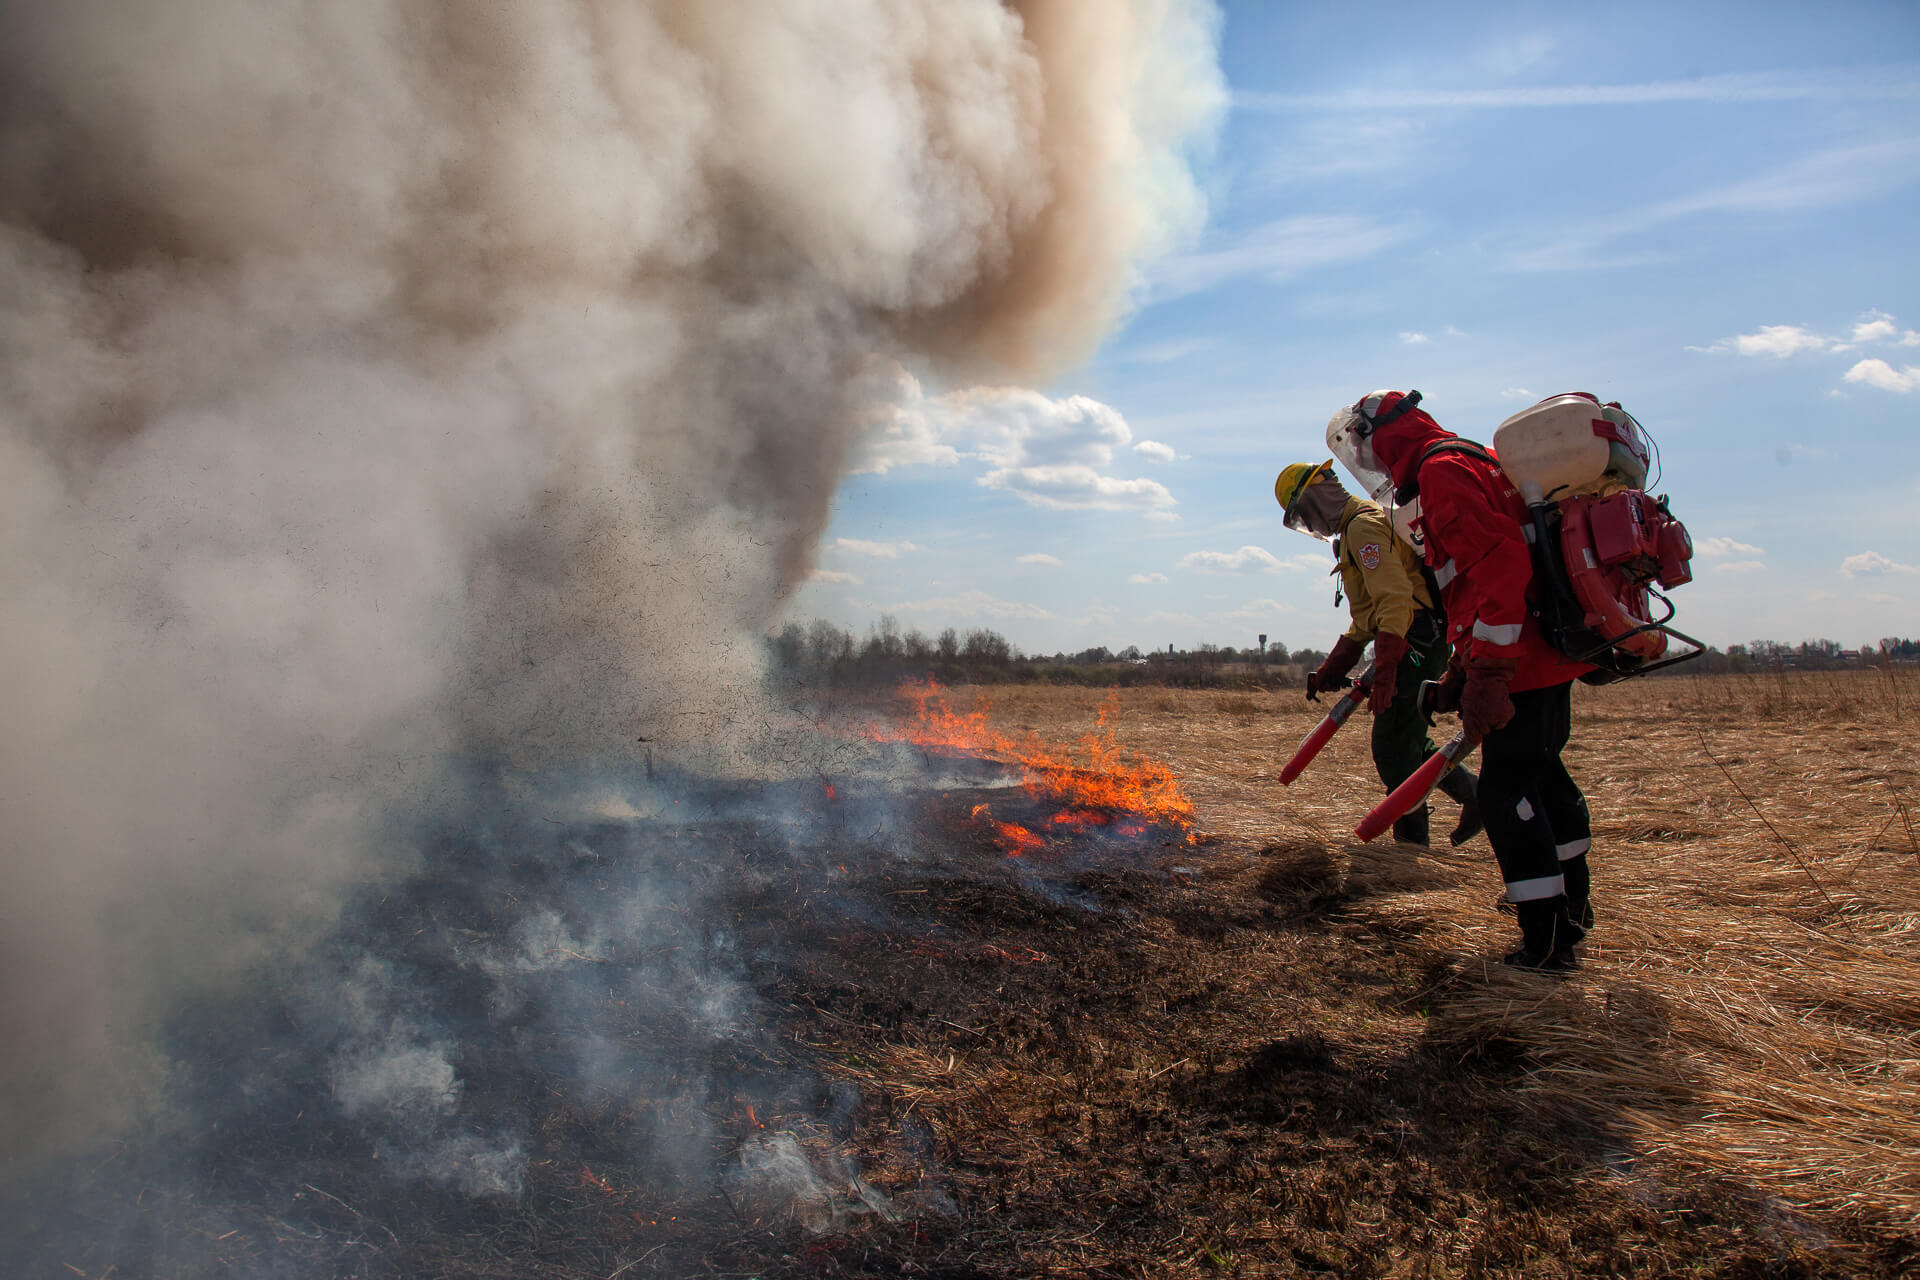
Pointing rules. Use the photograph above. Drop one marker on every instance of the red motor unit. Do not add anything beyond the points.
(1611, 552)
(1635, 533)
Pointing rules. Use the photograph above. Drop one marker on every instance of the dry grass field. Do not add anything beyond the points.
(1101, 1048)
(1748, 1015)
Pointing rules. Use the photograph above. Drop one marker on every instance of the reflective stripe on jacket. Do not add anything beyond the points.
(1475, 524)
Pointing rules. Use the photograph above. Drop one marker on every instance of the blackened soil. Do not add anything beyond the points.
(1119, 1056)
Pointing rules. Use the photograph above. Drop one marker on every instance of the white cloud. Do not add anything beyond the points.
(1740, 566)
(1776, 340)
(1876, 327)
(1155, 451)
(1517, 393)
(830, 575)
(1249, 559)
(1779, 341)
(1878, 373)
(1782, 340)
(1039, 557)
(1724, 547)
(1147, 579)
(1245, 560)
(1052, 453)
(1081, 488)
(862, 547)
(1871, 564)
(1276, 253)
(892, 435)
(1414, 339)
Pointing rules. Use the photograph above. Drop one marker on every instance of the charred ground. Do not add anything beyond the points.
(1270, 1052)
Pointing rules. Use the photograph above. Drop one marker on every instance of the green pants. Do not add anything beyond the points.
(1400, 741)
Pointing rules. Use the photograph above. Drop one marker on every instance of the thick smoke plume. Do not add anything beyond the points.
(389, 380)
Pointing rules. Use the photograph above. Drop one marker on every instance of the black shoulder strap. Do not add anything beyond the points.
(1411, 490)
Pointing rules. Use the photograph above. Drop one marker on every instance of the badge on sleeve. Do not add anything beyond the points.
(1370, 556)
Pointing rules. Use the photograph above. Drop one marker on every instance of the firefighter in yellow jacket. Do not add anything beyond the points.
(1394, 606)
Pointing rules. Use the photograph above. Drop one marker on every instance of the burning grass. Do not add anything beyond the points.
(1096, 782)
(1216, 1040)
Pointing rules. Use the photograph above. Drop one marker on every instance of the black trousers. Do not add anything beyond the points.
(1400, 741)
(1535, 814)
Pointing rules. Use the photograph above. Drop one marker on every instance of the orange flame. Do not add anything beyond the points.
(1017, 840)
(1096, 783)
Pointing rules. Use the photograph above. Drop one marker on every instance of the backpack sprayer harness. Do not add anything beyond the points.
(1597, 557)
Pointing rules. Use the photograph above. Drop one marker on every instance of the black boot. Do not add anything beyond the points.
(1412, 828)
(1579, 894)
(1547, 936)
(1460, 785)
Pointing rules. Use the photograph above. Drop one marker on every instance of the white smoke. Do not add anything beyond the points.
(386, 378)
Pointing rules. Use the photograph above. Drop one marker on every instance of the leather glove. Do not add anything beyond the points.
(1332, 674)
(1484, 704)
(1388, 649)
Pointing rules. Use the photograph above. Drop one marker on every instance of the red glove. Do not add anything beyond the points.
(1331, 674)
(1484, 704)
(1388, 649)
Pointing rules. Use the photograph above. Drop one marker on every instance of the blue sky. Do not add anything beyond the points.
(1710, 212)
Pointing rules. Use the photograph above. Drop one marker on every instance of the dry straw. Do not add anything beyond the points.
(1749, 1004)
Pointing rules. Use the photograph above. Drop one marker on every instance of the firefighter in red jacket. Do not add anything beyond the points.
(1393, 607)
(1513, 688)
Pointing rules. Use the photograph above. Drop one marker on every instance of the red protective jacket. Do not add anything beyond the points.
(1475, 522)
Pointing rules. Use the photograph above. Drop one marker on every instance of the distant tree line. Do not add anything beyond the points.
(821, 654)
(1808, 655)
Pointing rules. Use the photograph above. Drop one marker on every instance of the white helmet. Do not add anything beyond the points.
(1350, 439)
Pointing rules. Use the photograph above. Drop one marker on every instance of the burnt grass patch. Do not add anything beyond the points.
(1126, 1058)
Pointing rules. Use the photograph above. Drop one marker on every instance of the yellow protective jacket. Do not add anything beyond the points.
(1381, 573)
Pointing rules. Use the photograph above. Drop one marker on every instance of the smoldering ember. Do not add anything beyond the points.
(416, 420)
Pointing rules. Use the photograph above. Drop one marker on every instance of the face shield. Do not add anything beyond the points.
(1349, 439)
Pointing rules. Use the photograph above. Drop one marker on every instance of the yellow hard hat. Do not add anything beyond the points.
(1291, 483)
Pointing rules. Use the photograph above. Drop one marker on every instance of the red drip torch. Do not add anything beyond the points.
(1329, 725)
(1404, 798)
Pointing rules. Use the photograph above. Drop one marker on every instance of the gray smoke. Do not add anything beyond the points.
(385, 379)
